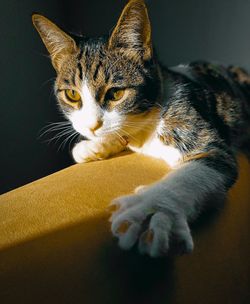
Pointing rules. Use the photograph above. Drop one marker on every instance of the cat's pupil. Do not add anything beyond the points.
(72, 95)
(114, 94)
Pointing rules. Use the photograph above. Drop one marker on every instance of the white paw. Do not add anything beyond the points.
(86, 151)
(139, 218)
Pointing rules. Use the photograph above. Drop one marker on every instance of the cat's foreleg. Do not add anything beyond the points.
(88, 150)
(169, 205)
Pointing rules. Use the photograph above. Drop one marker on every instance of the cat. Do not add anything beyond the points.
(118, 96)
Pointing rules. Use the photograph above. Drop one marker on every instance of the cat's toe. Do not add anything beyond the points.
(155, 240)
(81, 153)
(166, 234)
(127, 220)
(86, 151)
(136, 218)
(128, 233)
(76, 153)
(122, 203)
(182, 237)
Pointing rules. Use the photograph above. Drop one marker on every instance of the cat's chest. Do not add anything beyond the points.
(154, 147)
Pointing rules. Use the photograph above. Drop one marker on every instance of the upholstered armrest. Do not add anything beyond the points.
(56, 245)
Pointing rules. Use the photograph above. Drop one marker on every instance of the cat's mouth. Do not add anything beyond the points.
(106, 134)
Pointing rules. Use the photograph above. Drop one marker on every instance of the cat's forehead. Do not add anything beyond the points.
(99, 66)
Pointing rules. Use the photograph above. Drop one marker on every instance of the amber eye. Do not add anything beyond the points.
(72, 95)
(115, 94)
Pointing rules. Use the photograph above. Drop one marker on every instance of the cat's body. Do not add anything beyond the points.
(194, 117)
(214, 99)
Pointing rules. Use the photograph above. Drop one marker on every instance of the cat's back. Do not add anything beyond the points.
(220, 94)
(215, 77)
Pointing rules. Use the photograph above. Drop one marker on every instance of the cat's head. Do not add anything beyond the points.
(105, 85)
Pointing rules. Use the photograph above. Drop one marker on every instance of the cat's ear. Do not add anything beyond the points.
(58, 43)
(133, 30)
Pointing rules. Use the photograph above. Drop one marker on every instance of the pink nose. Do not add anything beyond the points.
(97, 126)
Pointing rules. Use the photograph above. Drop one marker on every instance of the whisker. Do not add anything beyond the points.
(53, 130)
(118, 134)
(135, 127)
(52, 92)
(59, 122)
(75, 137)
(58, 136)
(53, 127)
(63, 143)
(130, 135)
(144, 121)
(158, 104)
(71, 138)
(47, 81)
(61, 130)
(55, 124)
(138, 125)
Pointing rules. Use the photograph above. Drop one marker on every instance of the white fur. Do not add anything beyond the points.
(99, 147)
(155, 148)
(172, 202)
(91, 150)
(188, 186)
(85, 118)
(112, 117)
(111, 122)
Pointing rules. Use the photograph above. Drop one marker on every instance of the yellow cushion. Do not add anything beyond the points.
(56, 245)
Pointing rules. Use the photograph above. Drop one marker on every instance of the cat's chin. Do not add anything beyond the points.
(98, 136)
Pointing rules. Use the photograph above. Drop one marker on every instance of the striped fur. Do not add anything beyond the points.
(194, 116)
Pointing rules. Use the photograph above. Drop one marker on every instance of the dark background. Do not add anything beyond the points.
(183, 30)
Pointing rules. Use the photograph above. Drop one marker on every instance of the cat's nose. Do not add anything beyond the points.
(97, 126)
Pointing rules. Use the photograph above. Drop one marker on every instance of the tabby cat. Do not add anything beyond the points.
(118, 96)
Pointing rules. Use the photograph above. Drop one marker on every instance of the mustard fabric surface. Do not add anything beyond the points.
(56, 245)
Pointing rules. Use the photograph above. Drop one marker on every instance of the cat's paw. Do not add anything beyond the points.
(139, 219)
(86, 151)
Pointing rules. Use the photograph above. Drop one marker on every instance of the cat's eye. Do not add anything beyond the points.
(115, 94)
(72, 95)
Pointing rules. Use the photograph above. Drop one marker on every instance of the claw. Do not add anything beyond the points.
(112, 208)
(123, 227)
(149, 236)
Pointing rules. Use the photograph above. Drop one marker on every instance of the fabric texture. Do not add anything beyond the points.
(56, 245)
